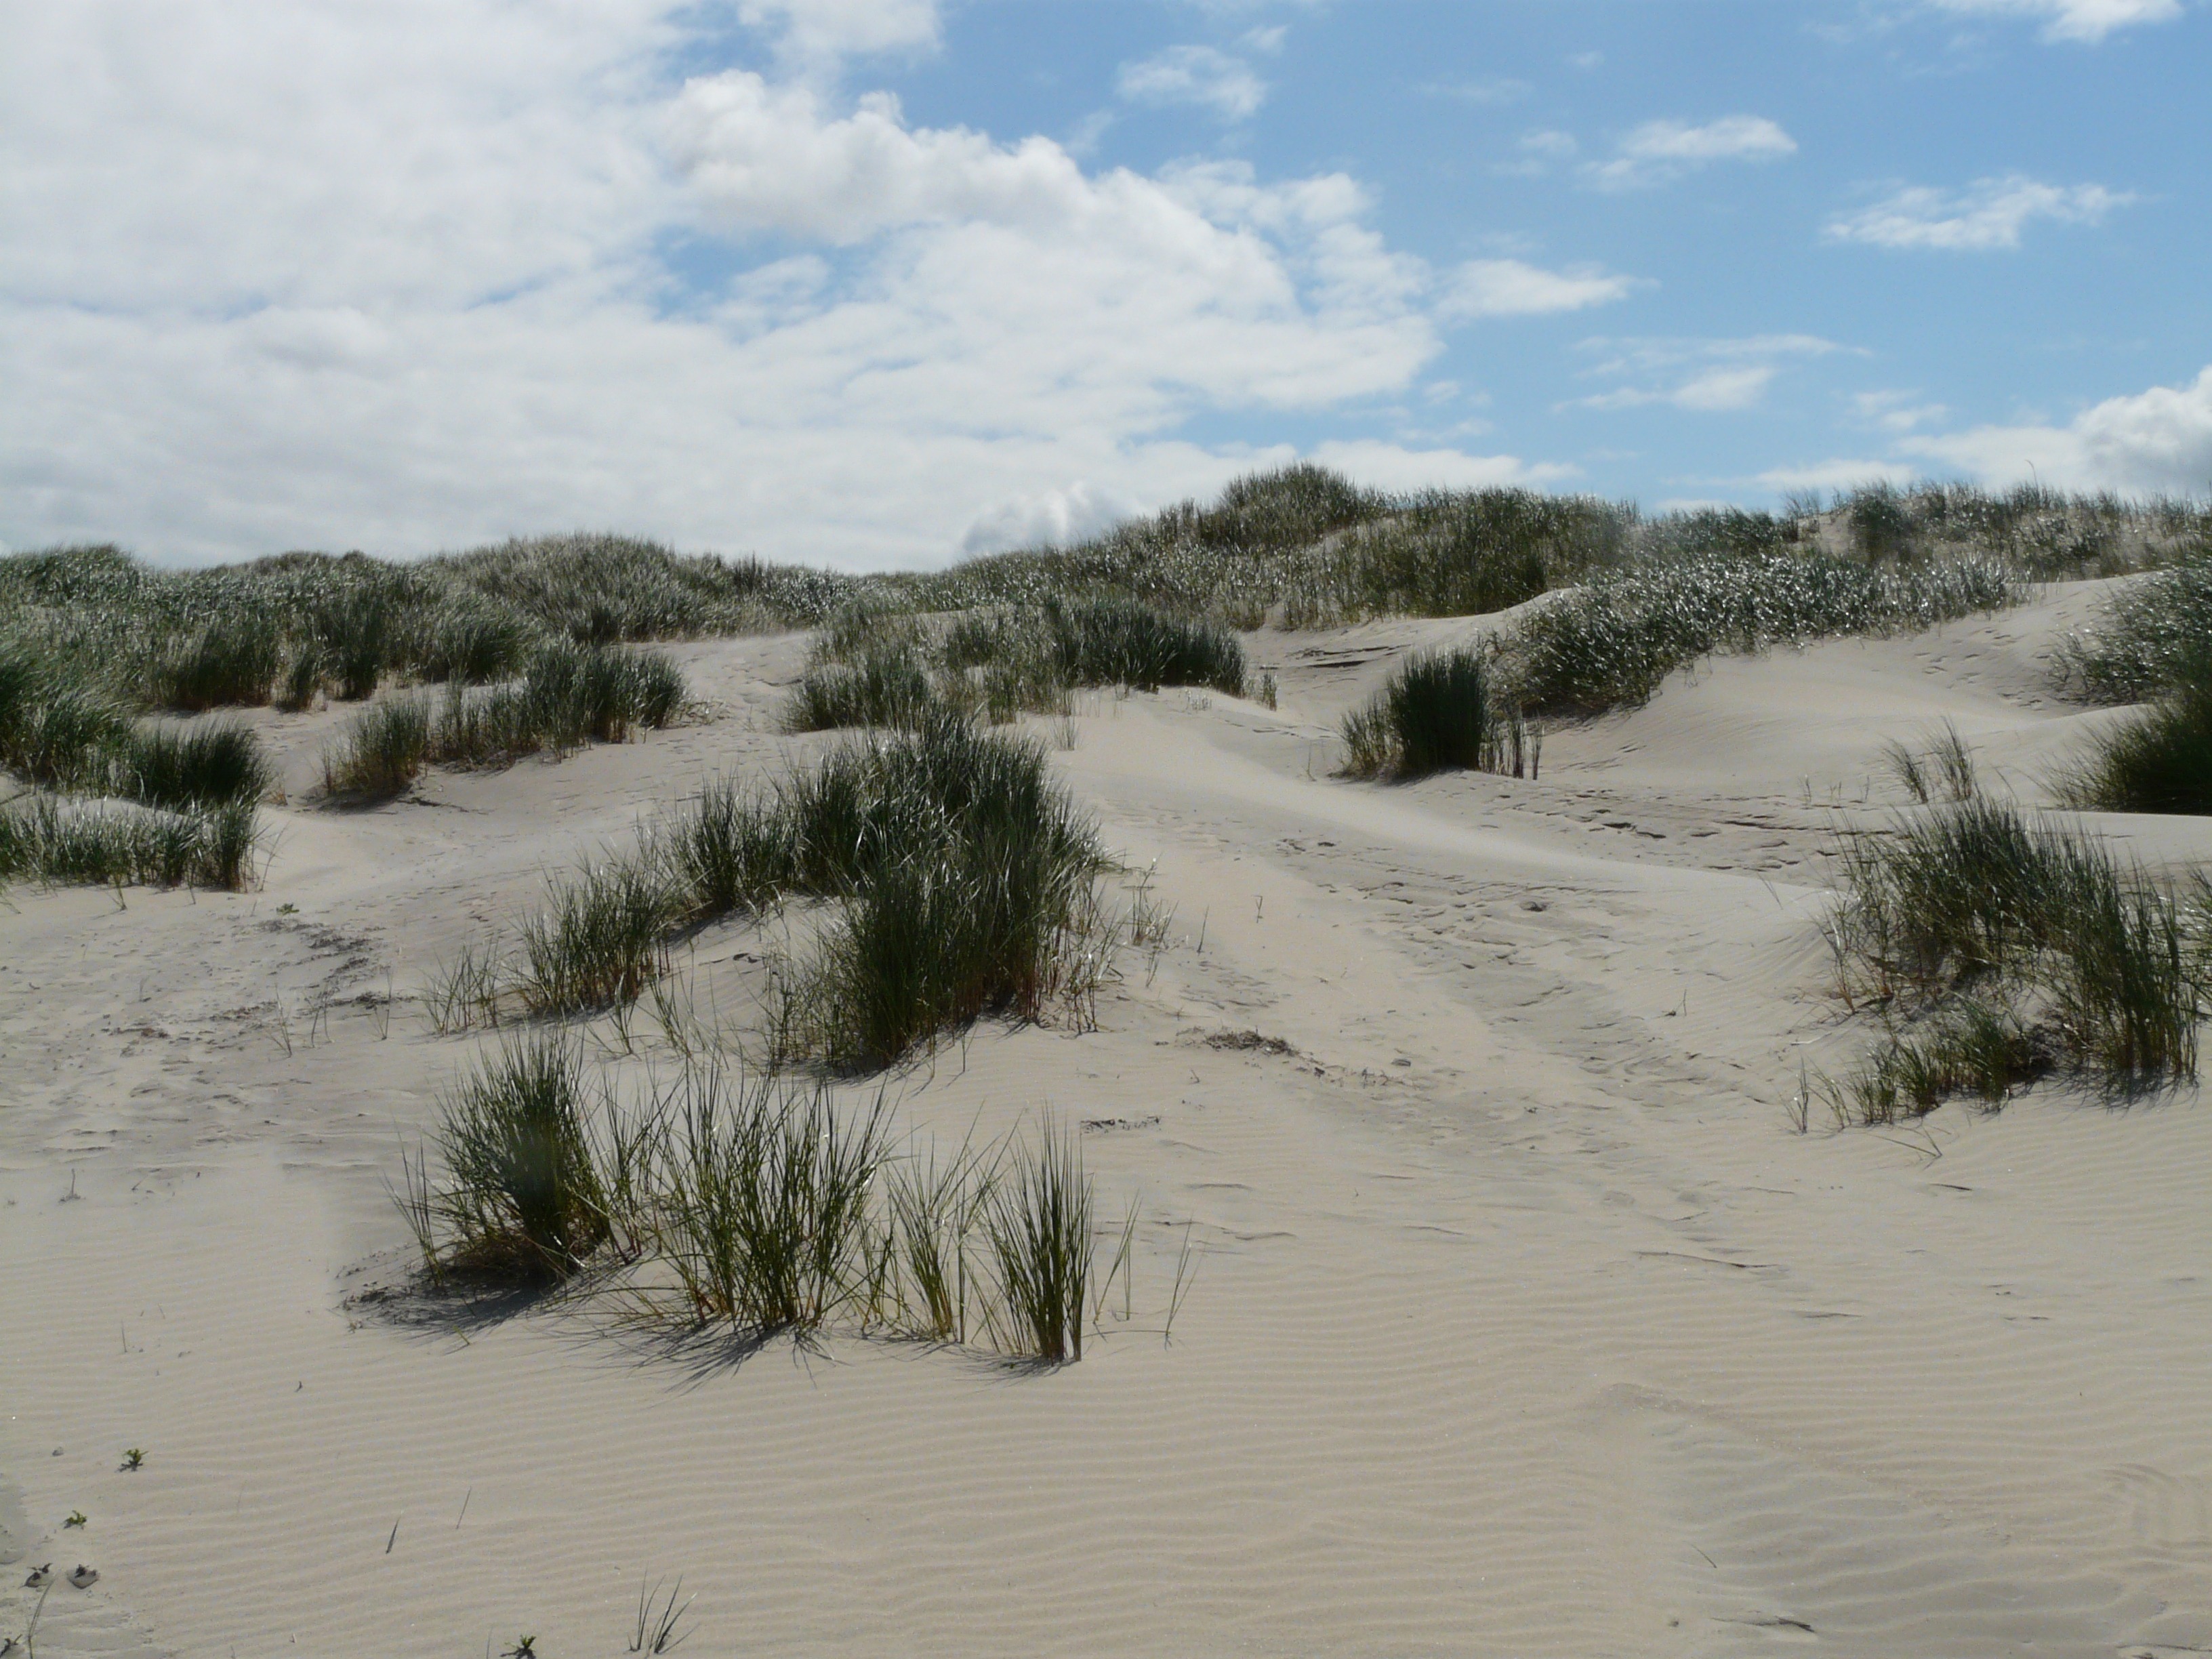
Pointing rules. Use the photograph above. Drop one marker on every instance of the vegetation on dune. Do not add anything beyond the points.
(566, 695)
(1997, 949)
(2152, 644)
(766, 1206)
(1440, 711)
(2160, 761)
(54, 840)
(960, 883)
(1611, 642)
(876, 667)
(300, 626)
(2154, 636)
(527, 1193)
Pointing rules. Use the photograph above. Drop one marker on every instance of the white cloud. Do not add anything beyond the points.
(1989, 215)
(275, 277)
(2154, 441)
(1537, 153)
(2088, 21)
(1895, 411)
(1661, 150)
(1713, 391)
(1055, 518)
(819, 34)
(1203, 75)
(1701, 376)
(1511, 287)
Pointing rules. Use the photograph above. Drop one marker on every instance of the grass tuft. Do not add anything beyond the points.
(2158, 761)
(600, 940)
(1440, 711)
(199, 765)
(109, 843)
(1038, 1220)
(1986, 927)
(524, 1196)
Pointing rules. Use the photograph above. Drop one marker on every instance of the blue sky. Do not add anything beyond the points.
(877, 281)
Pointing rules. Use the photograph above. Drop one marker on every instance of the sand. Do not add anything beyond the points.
(1524, 1321)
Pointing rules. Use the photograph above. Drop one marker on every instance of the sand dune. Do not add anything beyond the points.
(1524, 1324)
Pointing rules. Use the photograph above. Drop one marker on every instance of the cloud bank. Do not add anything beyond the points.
(442, 272)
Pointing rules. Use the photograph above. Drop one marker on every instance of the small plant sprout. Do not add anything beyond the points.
(657, 1617)
(76, 1518)
(525, 1647)
(134, 1459)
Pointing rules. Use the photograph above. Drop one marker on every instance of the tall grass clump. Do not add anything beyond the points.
(381, 751)
(109, 843)
(2152, 638)
(1110, 642)
(231, 661)
(1981, 937)
(567, 696)
(2160, 761)
(1038, 1218)
(1610, 644)
(199, 765)
(1440, 711)
(599, 940)
(964, 879)
(1447, 553)
(524, 1195)
(765, 1206)
(885, 686)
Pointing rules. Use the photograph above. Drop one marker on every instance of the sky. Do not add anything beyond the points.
(878, 284)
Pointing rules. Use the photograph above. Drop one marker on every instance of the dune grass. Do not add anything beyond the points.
(2153, 637)
(960, 883)
(887, 685)
(874, 667)
(964, 883)
(1440, 711)
(757, 1203)
(764, 1210)
(1944, 768)
(761, 1203)
(598, 941)
(1038, 1218)
(204, 764)
(568, 696)
(381, 751)
(1995, 948)
(525, 1195)
(1610, 644)
(58, 842)
(2160, 761)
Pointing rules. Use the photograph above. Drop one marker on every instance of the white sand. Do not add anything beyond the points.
(1525, 1325)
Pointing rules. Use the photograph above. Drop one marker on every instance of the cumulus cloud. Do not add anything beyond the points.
(275, 277)
(1989, 215)
(2090, 21)
(2155, 441)
(1660, 150)
(1512, 287)
(819, 34)
(1204, 76)
(1055, 518)
(1702, 376)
